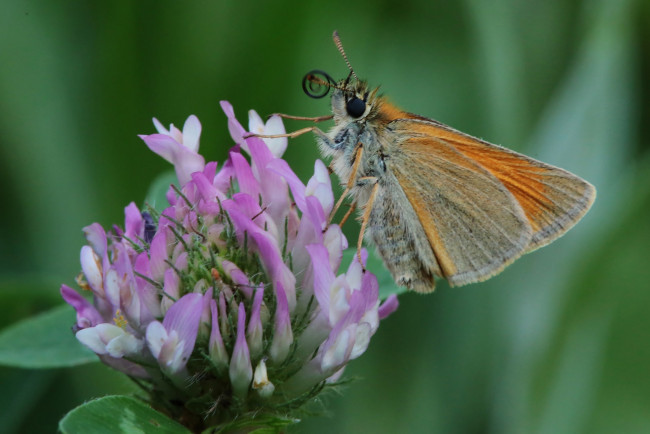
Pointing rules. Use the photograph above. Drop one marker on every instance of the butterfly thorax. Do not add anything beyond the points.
(351, 133)
(366, 128)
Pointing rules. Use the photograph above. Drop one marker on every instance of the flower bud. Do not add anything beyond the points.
(241, 371)
(261, 381)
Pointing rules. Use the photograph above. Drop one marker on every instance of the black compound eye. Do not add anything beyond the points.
(355, 107)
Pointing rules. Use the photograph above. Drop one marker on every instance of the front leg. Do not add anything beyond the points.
(321, 135)
(291, 135)
(367, 209)
(304, 118)
(351, 182)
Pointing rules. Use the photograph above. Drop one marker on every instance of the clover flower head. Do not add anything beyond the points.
(231, 297)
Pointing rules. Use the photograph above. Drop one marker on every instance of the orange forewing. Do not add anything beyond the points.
(551, 198)
(521, 176)
(474, 225)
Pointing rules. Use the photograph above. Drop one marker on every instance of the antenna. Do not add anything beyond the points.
(339, 45)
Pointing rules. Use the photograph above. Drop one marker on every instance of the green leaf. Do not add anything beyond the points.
(156, 196)
(118, 414)
(375, 265)
(43, 341)
(26, 294)
(257, 424)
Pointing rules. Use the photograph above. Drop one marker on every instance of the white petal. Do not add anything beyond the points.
(97, 337)
(335, 242)
(159, 127)
(156, 337)
(175, 133)
(260, 377)
(255, 123)
(362, 336)
(278, 145)
(90, 338)
(320, 186)
(274, 126)
(336, 354)
(354, 274)
(321, 174)
(124, 345)
(109, 331)
(192, 133)
(112, 287)
(338, 305)
(371, 317)
(91, 266)
(172, 354)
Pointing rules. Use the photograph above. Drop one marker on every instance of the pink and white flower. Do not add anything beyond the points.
(234, 289)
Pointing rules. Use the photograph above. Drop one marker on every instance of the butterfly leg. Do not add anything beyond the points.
(291, 135)
(349, 185)
(366, 213)
(347, 214)
(303, 118)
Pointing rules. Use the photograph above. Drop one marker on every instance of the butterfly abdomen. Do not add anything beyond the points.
(402, 245)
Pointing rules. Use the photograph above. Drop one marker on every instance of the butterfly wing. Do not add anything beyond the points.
(481, 205)
(553, 199)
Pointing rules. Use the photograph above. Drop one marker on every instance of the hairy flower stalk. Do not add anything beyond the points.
(228, 304)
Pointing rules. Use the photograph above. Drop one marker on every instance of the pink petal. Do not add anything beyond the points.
(268, 249)
(238, 277)
(217, 349)
(255, 329)
(96, 237)
(147, 293)
(282, 336)
(236, 130)
(133, 223)
(87, 315)
(185, 160)
(245, 178)
(207, 191)
(222, 180)
(183, 317)
(323, 275)
(282, 168)
(158, 253)
(389, 306)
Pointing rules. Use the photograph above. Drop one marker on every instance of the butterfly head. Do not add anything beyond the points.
(352, 99)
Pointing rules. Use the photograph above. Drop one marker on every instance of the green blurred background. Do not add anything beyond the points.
(558, 343)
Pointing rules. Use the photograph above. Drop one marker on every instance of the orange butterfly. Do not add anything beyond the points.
(436, 201)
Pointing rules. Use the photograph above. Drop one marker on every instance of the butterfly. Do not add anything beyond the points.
(437, 202)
